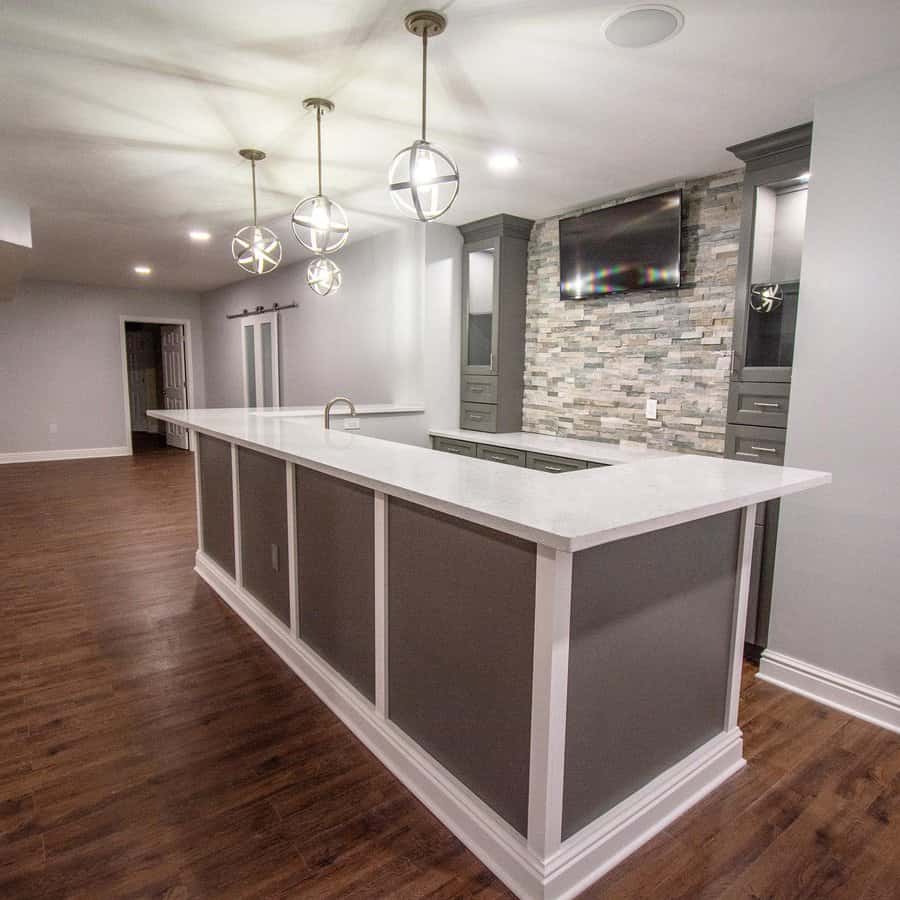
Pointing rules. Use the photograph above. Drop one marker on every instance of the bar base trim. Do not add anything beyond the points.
(581, 859)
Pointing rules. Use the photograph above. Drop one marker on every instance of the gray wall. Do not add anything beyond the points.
(837, 572)
(442, 320)
(590, 366)
(60, 362)
(365, 341)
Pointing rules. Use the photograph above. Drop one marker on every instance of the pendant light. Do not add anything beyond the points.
(323, 276)
(320, 224)
(254, 248)
(423, 179)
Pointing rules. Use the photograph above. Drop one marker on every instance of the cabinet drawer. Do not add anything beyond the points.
(479, 388)
(448, 445)
(478, 416)
(502, 455)
(759, 403)
(751, 444)
(545, 463)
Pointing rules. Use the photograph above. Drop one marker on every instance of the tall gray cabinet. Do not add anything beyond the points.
(765, 317)
(494, 277)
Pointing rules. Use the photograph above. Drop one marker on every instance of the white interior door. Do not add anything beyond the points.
(174, 380)
(259, 343)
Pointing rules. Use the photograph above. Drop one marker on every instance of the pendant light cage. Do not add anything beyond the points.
(323, 275)
(318, 223)
(255, 248)
(423, 178)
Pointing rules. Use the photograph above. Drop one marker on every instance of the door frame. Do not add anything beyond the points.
(188, 367)
(252, 322)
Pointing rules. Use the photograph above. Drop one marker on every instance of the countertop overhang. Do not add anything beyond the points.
(568, 512)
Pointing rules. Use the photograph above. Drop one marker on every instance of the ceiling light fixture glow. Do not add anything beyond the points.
(423, 179)
(199, 236)
(503, 161)
(318, 223)
(254, 248)
(143, 270)
(643, 26)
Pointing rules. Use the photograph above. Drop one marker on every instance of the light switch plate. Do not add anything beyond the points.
(650, 409)
(351, 424)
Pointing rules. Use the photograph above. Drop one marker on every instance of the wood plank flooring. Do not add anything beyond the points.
(152, 746)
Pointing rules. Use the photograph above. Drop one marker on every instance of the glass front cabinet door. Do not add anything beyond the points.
(770, 273)
(481, 290)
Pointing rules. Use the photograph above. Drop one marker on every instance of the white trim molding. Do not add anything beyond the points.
(854, 697)
(32, 456)
(580, 859)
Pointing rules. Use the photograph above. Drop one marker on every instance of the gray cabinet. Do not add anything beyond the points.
(506, 455)
(765, 318)
(556, 464)
(494, 276)
(769, 259)
(511, 456)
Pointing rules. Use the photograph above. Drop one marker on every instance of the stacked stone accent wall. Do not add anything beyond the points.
(590, 366)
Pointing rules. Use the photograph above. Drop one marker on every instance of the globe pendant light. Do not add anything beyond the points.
(323, 276)
(423, 179)
(254, 248)
(320, 224)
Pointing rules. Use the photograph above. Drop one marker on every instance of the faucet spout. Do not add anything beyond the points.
(331, 403)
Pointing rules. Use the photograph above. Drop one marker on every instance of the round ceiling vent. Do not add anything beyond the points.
(643, 26)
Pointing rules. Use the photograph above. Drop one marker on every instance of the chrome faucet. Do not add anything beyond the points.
(331, 403)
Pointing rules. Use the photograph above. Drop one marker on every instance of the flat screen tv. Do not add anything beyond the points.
(634, 246)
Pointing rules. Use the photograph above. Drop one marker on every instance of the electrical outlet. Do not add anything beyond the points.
(53, 428)
(650, 409)
(351, 424)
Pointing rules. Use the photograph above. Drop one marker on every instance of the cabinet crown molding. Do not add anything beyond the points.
(502, 225)
(797, 139)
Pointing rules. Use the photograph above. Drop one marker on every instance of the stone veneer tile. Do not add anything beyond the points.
(589, 366)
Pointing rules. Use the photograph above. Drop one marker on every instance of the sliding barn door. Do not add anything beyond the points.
(259, 340)
(174, 380)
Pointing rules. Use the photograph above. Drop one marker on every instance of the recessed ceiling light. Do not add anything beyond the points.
(199, 235)
(643, 26)
(143, 270)
(503, 161)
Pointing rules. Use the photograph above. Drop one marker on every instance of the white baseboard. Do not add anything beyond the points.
(581, 859)
(30, 456)
(854, 697)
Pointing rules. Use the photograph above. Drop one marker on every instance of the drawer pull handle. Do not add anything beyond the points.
(476, 388)
(474, 416)
(452, 450)
(764, 449)
(745, 453)
(767, 405)
(495, 458)
(553, 468)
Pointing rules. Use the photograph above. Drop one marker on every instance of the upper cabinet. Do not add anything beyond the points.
(481, 297)
(494, 277)
(771, 249)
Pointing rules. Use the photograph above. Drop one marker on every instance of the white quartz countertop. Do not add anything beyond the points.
(568, 512)
(589, 451)
(340, 409)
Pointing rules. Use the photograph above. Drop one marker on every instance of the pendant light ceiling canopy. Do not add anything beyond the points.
(320, 224)
(423, 179)
(254, 248)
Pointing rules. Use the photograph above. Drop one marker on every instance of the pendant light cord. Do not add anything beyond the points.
(424, 77)
(319, 144)
(253, 180)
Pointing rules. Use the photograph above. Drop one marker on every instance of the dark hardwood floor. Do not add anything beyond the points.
(152, 746)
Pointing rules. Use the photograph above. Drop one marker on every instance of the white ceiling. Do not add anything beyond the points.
(120, 120)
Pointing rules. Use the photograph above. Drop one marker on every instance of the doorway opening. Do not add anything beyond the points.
(155, 360)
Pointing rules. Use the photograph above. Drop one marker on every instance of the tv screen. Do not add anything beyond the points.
(634, 246)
